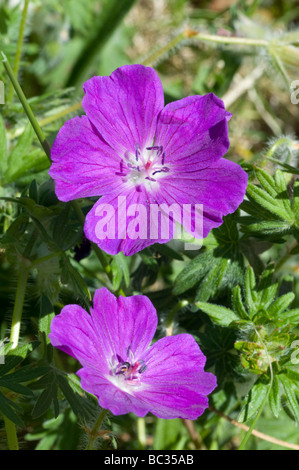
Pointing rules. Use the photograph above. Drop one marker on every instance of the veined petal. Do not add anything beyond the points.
(72, 331)
(193, 132)
(129, 226)
(109, 396)
(83, 165)
(126, 322)
(175, 383)
(124, 106)
(220, 189)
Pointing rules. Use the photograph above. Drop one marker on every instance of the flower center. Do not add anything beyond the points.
(128, 372)
(146, 165)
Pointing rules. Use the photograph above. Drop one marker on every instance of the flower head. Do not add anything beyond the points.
(120, 367)
(137, 154)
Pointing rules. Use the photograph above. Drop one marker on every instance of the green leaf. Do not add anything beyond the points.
(274, 397)
(16, 356)
(73, 398)
(26, 374)
(193, 272)
(70, 275)
(249, 287)
(292, 316)
(281, 304)
(7, 408)
(265, 200)
(46, 316)
(19, 153)
(238, 304)
(253, 401)
(45, 399)
(267, 227)
(267, 288)
(283, 194)
(65, 233)
(120, 270)
(15, 387)
(221, 315)
(266, 181)
(291, 395)
(212, 281)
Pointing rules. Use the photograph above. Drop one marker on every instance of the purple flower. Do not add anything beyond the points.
(121, 370)
(138, 154)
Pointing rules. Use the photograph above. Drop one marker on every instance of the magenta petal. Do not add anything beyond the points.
(122, 323)
(175, 382)
(193, 132)
(83, 164)
(124, 106)
(220, 189)
(110, 225)
(109, 396)
(72, 331)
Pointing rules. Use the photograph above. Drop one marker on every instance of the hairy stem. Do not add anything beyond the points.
(93, 434)
(19, 48)
(238, 41)
(26, 106)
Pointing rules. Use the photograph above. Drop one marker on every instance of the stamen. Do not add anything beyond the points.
(165, 169)
(147, 162)
(137, 151)
(122, 368)
(128, 371)
(133, 167)
(157, 147)
(142, 368)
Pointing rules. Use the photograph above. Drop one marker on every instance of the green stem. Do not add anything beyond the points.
(231, 40)
(170, 317)
(141, 432)
(278, 143)
(93, 434)
(26, 106)
(188, 33)
(10, 427)
(18, 307)
(11, 434)
(152, 58)
(19, 47)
